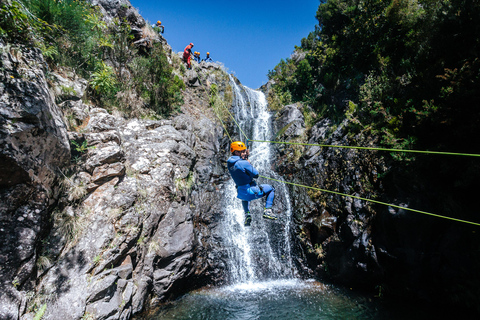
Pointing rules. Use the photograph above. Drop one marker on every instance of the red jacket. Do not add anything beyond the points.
(187, 51)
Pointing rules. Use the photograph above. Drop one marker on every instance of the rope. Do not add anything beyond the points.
(364, 148)
(374, 201)
(372, 148)
(215, 111)
(223, 125)
(236, 123)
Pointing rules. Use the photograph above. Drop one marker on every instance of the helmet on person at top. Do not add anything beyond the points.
(237, 146)
(208, 53)
(159, 22)
(191, 43)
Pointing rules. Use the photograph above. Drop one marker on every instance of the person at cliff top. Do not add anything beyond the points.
(158, 27)
(243, 173)
(208, 59)
(187, 55)
(197, 56)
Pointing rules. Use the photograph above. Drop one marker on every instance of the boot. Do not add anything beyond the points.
(248, 219)
(268, 214)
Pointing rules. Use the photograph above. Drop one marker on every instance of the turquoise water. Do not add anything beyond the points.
(281, 299)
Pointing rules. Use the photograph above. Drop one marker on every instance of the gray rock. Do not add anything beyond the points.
(191, 78)
(120, 9)
(290, 123)
(68, 89)
(76, 111)
(107, 171)
(100, 121)
(104, 155)
(33, 147)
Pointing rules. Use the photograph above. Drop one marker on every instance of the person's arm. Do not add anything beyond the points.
(250, 170)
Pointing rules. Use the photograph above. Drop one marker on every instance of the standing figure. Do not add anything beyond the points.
(158, 27)
(243, 173)
(208, 59)
(196, 56)
(187, 55)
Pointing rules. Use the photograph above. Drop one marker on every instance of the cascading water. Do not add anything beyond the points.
(264, 283)
(262, 251)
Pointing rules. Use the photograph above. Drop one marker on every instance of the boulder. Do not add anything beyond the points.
(192, 79)
(66, 88)
(120, 9)
(290, 123)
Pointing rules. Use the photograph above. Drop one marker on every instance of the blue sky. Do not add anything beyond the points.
(248, 37)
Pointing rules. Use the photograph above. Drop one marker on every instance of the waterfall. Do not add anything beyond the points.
(262, 251)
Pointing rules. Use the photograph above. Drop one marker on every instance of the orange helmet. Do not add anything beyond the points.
(159, 22)
(237, 146)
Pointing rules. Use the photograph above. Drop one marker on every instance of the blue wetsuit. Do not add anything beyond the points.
(243, 174)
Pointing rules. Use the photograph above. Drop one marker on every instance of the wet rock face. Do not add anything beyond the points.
(33, 148)
(373, 246)
(334, 238)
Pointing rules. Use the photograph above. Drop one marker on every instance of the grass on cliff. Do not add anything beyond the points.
(71, 33)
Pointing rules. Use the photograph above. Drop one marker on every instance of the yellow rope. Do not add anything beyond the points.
(374, 201)
(364, 148)
(371, 148)
(223, 125)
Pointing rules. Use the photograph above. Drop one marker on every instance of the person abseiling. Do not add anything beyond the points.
(187, 55)
(243, 173)
(208, 59)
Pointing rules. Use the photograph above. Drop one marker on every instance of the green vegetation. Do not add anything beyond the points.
(39, 314)
(81, 148)
(120, 75)
(152, 76)
(408, 70)
(219, 103)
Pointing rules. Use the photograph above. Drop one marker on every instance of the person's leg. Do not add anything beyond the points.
(246, 206)
(246, 209)
(269, 192)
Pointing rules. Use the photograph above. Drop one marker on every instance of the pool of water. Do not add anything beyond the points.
(282, 299)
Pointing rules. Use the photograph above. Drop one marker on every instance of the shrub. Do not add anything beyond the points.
(14, 22)
(119, 46)
(103, 82)
(69, 26)
(153, 79)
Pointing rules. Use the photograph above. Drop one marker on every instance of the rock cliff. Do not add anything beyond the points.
(34, 148)
(371, 246)
(101, 215)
